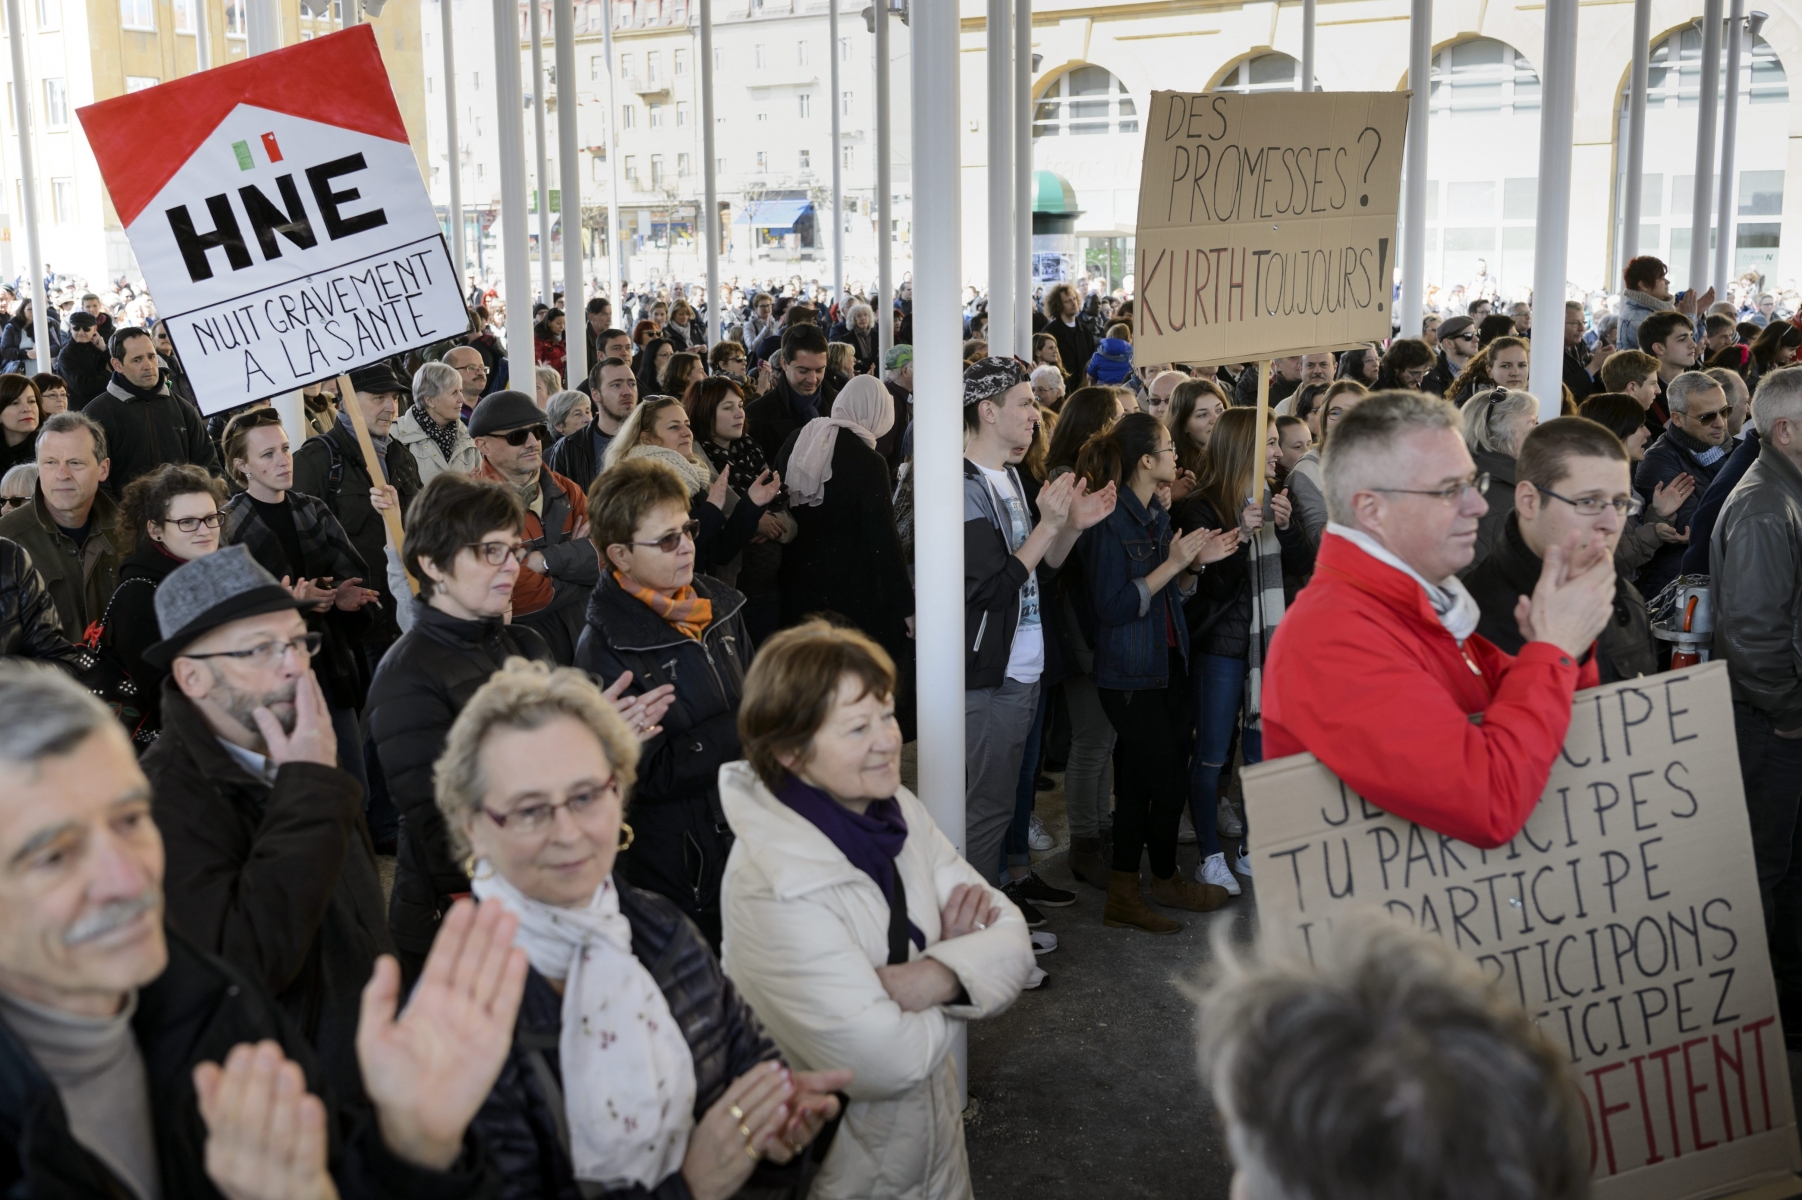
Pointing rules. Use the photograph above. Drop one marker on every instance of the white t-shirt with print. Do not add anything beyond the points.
(1026, 659)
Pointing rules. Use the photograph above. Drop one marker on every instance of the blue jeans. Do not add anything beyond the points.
(1219, 694)
(1018, 852)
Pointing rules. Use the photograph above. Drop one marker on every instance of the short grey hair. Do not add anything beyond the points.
(1491, 419)
(548, 376)
(71, 421)
(44, 713)
(1779, 398)
(1361, 453)
(559, 406)
(1678, 393)
(1047, 374)
(857, 310)
(20, 482)
(524, 695)
(1388, 1064)
(436, 379)
(1731, 381)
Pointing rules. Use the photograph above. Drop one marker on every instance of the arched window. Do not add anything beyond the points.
(1274, 72)
(1084, 101)
(1674, 74)
(1483, 76)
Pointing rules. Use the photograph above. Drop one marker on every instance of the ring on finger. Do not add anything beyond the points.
(737, 1114)
(752, 1151)
(745, 1130)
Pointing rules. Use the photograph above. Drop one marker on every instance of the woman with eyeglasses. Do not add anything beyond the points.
(655, 619)
(636, 1071)
(53, 395)
(1496, 421)
(18, 486)
(170, 516)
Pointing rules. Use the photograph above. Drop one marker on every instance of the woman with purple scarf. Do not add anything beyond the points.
(852, 925)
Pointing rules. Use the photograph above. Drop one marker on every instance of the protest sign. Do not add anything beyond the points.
(1625, 918)
(1266, 223)
(279, 218)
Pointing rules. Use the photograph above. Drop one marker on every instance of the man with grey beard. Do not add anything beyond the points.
(270, 864)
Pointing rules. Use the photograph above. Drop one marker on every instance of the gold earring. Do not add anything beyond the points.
(626, 836)
(470, 864)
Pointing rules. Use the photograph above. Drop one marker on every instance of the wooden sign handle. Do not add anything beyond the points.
(347, 400)
(1257, 490)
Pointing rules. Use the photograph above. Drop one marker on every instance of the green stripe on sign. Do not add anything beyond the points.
(242, 150)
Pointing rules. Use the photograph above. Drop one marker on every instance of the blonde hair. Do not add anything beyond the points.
(632, 430)
(523, 695)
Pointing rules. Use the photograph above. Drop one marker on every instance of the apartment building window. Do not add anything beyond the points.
(478, 81)
(682, 166)
(717, 59)
(56, 103)
(681, 114)
(800, 54)
(653, 66)
(632, 167)
(626, 118)
(763, 160)
(804, 103)
(597, 67)
(625, 67)
(847, 157)
(50, 14)
(595, 174)
(719, 166)
(681, 62)
(807, 160)
(656, 170)
(137, 14)
(759, 57)
(656, 111)
(844, 104)
(184, 16)
(594, 14)
(236, 21)
(844, 49)
(62, 200)
(137, 83)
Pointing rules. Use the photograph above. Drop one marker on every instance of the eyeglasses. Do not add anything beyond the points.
(517, 437)
(530, 819)
(1450, 494)
(670, 541)
(1712, 417)
(8, 503)
(497, 553)
(1593, 506)
(1465, 337)
(267, 654)
(189, 524)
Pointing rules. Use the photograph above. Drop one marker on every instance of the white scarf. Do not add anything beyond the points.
(697, 475)
(628, 1074)
(1452, 604)
(865, 408)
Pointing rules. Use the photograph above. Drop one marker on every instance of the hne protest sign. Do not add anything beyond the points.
(1625, 917)
(279, 218)
(1266, 223)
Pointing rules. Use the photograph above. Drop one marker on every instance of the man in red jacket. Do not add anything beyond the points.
(1377, 668)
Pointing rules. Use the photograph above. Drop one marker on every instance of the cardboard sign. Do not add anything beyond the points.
(1266, 223)
(1625, 917)
(279, 217)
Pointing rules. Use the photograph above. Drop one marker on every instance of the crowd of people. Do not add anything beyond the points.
(625, 703)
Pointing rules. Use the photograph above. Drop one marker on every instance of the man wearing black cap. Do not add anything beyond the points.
(551, 593)
(145, 422)
(1457, 346)
(84, 364)
(268, 861)
(330, 467)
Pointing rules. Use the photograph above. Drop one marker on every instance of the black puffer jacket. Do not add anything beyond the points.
(682, 835)
(1220, 610)
(28, 624)
(423, 683)
(86, 368)
(132, 628)
(518, 1123)
(195, 1012)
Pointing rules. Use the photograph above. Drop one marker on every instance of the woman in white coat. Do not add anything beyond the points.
(432, 427)
(852, 926)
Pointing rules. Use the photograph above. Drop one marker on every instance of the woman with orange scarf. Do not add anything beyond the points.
(653, 616)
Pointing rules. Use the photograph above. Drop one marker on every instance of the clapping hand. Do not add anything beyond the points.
(644, 711)
(716, 493)
(1670, 536)
(764, 489)
(1088, 508)
(1054, 502)
(266, 1135)
(1574, 598)
(351, 595)
(813, 1104)
(428, 1072)
(1667, 498)
(1282, 509)
(733, 1135)
(1218, 544)
(316, 595)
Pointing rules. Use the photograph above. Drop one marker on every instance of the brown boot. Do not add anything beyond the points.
(1126, 910)
(1179, 891)
(1086, 862)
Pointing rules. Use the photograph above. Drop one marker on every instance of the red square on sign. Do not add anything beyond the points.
(275, 151)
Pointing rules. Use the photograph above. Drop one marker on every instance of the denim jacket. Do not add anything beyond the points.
(1132, 648)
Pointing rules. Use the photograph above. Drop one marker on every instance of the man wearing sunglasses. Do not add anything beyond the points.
(551, 593)
(1694, 444)
(268, 861)
(1457, 346)
(1572, 478)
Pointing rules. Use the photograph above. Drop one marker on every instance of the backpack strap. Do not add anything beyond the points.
(334, 477)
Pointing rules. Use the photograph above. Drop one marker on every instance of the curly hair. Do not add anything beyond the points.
(147, 498)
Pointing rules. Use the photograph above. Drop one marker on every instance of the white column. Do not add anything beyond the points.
(263, 25)
(1414, 166)
(1551, 244)
(1723, 246)
(454, 142)
(838, 171)
(516, 258)
(1001, 177)
(938, 423)
(885, 242)
(1022, 177)
(575, 338)
(616, 271)
(203, 44)
(1702, 221)
(1306, 81)
(1636, 130)
(710, 194)
(541, 164)
(28, 184)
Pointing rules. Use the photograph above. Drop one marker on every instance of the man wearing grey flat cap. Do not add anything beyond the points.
(269, 864)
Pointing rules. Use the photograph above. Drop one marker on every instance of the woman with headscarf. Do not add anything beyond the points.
(846, 558)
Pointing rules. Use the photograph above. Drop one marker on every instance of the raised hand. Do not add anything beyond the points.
(1667, 498)
(266, 1136)
(1220, 543)
(716, 493)
(313, 740)
(1185, 548)
(1282, 509)
(1574, 598)
(1055, 500)
(1088, 509)
(763, 489)
(733, 1135)
(428, 1072)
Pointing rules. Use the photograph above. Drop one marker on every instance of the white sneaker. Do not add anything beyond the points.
(1213, 870)
(1042, 942)
(1228, 822)
(1035, 980)
(1037, 837)
(1185, 830)
(1243, 865)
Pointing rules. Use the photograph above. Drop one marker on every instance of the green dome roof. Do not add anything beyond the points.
(1052, 195)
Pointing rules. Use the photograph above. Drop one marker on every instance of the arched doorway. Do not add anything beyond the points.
(1085, 129)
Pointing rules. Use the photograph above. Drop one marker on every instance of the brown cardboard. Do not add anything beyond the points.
(1266, 223)
(1625, 916)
